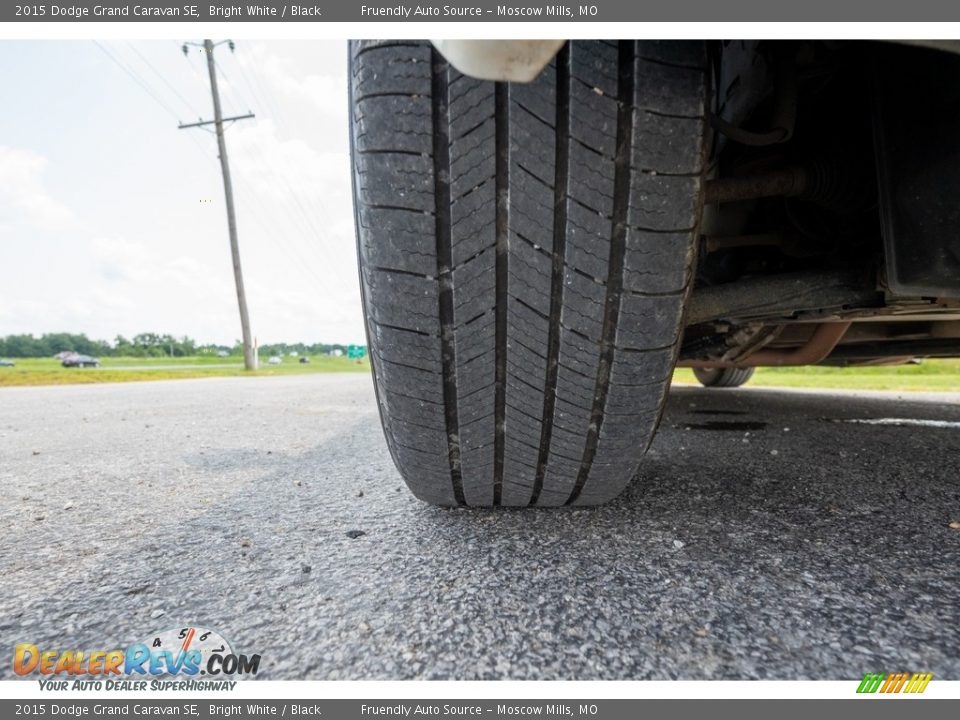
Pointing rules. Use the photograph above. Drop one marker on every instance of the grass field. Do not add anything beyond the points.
(930, 375)
(43, 371)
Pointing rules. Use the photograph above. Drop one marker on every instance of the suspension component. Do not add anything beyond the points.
(817, 348)
(789, 182)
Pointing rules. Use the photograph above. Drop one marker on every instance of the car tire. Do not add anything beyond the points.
(723, 377)
(525, 257)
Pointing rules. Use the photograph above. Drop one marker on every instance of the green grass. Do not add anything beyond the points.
(929, 375)
(44, 371)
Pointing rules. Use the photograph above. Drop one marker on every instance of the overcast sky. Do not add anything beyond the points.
(112, 220)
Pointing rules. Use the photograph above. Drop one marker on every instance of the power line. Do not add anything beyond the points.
(269, 226)
(318, 208)
(143, 85)
(246, 80)
(299, 215)
(295, 212)
(269, 98)
(153, 96)
(160, 75)
(231, 85)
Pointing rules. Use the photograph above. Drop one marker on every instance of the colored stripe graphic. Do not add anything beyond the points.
(919, 682)
(870, 683)
(894, 683)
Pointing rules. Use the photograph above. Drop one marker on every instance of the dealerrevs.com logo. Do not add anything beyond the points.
(190, 658)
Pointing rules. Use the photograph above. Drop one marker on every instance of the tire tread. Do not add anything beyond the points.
(526, 253)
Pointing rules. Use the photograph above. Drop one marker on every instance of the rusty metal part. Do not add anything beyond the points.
(782, 296)
(838, 182)
(786, 182)
(816, 349)
(746, 340)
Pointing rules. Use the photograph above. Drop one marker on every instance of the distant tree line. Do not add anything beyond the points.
(142, 345)
(299, 348)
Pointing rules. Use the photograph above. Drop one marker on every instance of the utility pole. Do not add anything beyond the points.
(249, 356)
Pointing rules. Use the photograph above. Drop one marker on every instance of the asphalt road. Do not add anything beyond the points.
(764, 538)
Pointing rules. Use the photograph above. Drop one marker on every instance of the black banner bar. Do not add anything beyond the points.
(481, 11)
(210, 709)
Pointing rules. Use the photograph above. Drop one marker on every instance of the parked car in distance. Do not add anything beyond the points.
(275, 360)
(82, 361)
(304, 360)
(7, 363)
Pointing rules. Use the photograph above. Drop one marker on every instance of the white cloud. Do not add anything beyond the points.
(23, 195)
(285, 79)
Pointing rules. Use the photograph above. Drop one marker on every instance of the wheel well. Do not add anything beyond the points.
(821, 204)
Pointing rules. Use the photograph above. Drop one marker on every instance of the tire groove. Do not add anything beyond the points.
(562, 151)
(381, 94)
(621, 203)
(399, 271)
(388, 151)
(401, 208)
(441, 180)
(502, 184)
(385, 44)
(388, 326)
